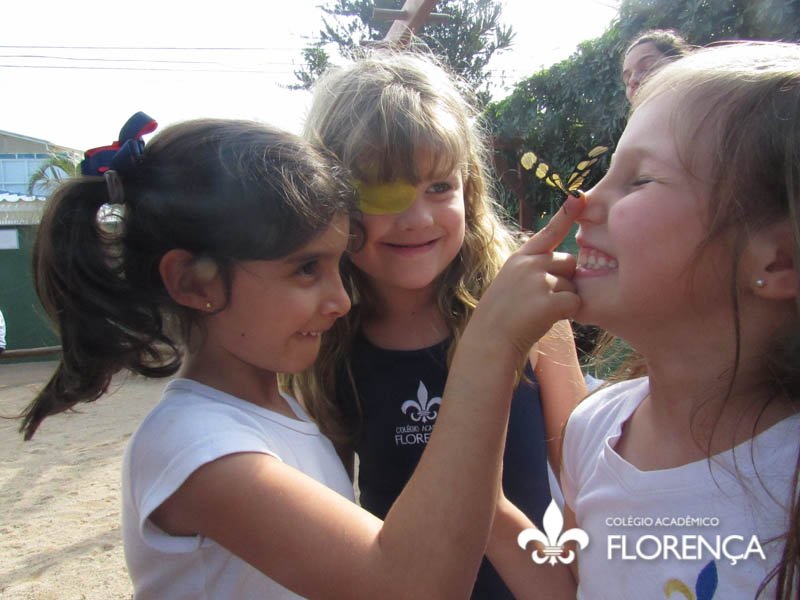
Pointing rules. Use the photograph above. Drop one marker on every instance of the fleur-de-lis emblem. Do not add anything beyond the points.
(422, 408)
(553, 542)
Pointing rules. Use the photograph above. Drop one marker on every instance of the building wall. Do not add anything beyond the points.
(20, 156)
(26, 324)
(12, 144)
(16, 171)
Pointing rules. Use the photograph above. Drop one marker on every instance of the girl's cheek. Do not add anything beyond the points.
(627, 224)
(369, 223)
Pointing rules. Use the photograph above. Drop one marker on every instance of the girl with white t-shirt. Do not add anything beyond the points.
(214, 251)
(684, 478)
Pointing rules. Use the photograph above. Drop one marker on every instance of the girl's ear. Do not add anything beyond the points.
(769, 260)
(190, 281)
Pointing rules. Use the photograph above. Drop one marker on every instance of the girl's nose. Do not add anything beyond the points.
(596, 209)
(417, 215)
(337, 303)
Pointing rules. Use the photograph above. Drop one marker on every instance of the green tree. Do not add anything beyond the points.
(466, 41)
(317, 62)
(52, 172)
(563, 111)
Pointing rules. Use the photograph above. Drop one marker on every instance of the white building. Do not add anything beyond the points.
(21, 156)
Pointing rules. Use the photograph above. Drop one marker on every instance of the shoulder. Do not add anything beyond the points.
(188, 409)
(599, 416)
(610, 403)
(194, 425)
(194, 420)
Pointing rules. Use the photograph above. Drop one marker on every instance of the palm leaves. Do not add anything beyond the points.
(52, 172)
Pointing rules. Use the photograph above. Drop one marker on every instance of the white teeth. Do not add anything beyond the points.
(311, 333)
(589, 258)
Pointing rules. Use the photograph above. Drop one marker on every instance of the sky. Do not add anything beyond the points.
(72, 73)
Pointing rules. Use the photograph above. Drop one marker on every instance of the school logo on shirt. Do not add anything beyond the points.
(695, 545)
(422, 409)
(704, 587)
(552, 540)
(422, 413)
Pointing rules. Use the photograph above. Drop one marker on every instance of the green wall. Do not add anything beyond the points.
(26, 324)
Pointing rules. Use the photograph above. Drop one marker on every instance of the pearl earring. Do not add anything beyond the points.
(760, 283)
(209, 306)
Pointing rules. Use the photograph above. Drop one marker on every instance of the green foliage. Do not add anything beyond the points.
(316, 63)
(705, 21)
(466, 41)
(563, 111)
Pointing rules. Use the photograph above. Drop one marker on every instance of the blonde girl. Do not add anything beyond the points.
(434, 241)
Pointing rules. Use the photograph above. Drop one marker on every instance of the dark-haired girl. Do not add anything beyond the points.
(214, 252)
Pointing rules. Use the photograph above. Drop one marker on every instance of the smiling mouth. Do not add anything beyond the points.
(411, 246)
(594, 259)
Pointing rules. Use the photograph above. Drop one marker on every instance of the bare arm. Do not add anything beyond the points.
(561, 383)
(526, 579)
(320, 545)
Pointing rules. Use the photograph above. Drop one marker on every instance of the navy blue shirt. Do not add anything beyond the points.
(400, 393)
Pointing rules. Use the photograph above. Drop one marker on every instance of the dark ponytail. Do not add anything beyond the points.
(104, 323)
(223, 190)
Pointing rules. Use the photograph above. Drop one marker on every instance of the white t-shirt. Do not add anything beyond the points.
(191, 426)
(653, 534)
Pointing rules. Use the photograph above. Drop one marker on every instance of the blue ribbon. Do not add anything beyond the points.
(125, 153)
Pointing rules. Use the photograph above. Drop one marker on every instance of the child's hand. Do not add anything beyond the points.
(534, 288)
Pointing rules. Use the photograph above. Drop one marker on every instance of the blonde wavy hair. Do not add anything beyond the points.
(378, 115)
(743, 100)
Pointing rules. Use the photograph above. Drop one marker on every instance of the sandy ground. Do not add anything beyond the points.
(60, 535)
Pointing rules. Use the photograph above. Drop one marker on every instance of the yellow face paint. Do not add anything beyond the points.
(385, 198)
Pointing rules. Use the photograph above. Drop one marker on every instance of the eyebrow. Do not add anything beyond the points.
(653, 58)
(638, 153)
(303, 256)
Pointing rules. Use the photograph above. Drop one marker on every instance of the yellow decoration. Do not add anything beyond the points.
(385, 198)
(676, 585)
(528, 160)
(553, 179)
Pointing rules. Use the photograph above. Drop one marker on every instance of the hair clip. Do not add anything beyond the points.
(125, 153)
(116, 193)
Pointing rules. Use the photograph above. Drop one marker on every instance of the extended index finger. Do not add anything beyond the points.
(551, 235)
